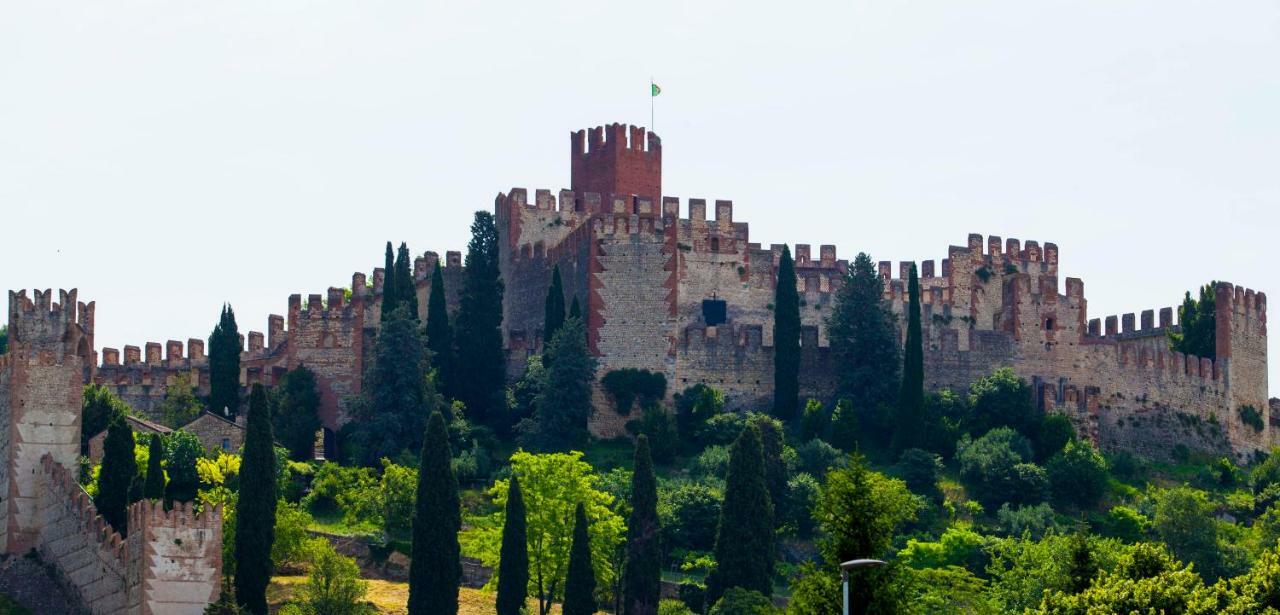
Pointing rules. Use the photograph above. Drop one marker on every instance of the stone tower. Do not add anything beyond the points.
(604, 161)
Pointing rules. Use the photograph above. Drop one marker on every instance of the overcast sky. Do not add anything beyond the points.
(166, 156)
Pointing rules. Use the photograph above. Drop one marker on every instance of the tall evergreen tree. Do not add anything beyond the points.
(580, 582)
(397, 398)
(786, 339)
(909, 431)
(1197, 324)
(513, 562)
(563, 405)
(1083, 567)
(116, 476)
(439, 331)
(553, 307)
(295, 420)
(744, 550)
(775, 467)
(154, 488)
(864, 340)
(480, 378)
(575, 309)
(435, 569)
(256, 507)
(643, 571)
(224, 365)
(406, 290)
(390, 298)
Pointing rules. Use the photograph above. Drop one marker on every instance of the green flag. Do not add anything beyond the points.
(654, 90)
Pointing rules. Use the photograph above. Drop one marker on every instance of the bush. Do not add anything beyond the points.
(815, 422)
(1078, 475)
(712, 462)
(957, 547)
(627, 385)
(395, 496)
(694, 407)
(722, 429)
(844, 426)
(947, 416)
(693, 595)
(334, 586)
(1125, 524)
(331, 480)
(1003, 399)
(992, 468)
(689, 514)
(1035, 520)
(1251, 417)
(292, 545)
(1055, 432)
(802, 492)
(815, 457)
(1267, 473)
(658, 426)
(673, 607)
(738, 601)
(920, 470)
(182, 449)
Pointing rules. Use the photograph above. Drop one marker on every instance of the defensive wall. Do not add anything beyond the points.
(169, 563)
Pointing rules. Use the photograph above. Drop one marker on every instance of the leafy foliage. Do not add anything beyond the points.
(181, 451)
(224, 365)
(1197, 320)
(627, 385)
(740, 601)
(563, 404)
(119, 469)
(154, 487)
(480, 376)
(993, 469)
(98, 408)
(295, 419)
(1003, 399)
(1078, 475)
(744, 548)
(864, 340)
(180, 405)
(694, 407)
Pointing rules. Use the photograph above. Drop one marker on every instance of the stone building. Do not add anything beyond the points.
(171, 561)
(142, 430)
(216, 433)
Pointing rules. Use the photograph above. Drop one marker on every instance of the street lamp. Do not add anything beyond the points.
(844, 575)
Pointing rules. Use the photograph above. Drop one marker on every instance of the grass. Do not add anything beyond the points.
(8, 606)
(388, 597)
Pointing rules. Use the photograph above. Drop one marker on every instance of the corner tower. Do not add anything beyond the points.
(605, 161)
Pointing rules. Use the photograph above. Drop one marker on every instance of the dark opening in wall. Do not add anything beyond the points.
(1048, 324)
(715, 244)
(714, 311)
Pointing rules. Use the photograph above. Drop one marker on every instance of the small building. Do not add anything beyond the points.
(216, 432)
(139, 426)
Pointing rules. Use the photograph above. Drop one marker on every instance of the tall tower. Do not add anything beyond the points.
(41, 378)
(604, 160)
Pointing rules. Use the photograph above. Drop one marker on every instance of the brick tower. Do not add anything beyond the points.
(605, 161)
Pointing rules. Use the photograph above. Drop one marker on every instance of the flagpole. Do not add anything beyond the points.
(651, 97)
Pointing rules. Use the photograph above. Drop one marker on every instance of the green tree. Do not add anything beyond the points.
(859, 512)
(643, 570)
(575, 310)
(775, 467)
(995, 471)
(180, 405)
(694, 407)
(435, 570)
(744, 548)
(4, 339)
(815, 421)
(334, 586)
(1055, 432)
(553, 307)
(739, 601)
(580, 581)
(119, 468)
(864, 340)
(154, 488)
(1184, 521)
(563, 405)
(552, 485)
(1003, 399)
(513, 567)
(406, 291)
(909, 428)
(256, 507)
(398, 396)
(390, 298)
(295, 419)
(480, 378)
(98, 407)
(181, 450)
(224, 365)
(1197, 320)
(1083, 567)
(786, 339)
(1078, 475)
(439, 331)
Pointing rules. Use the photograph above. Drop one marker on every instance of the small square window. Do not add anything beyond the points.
(226, 444)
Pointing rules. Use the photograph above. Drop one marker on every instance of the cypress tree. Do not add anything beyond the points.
(294, 421)
(786, 339)
(1082, 568)
(513, 560)
(435, 570)
(224, 364)
(575, 310)
(580, 582)
(406, 290)
(439, 331)
(397, 397)
(910, 427)
(744, 551)
(390, 299)
(256, 507)
(116, 476)
(643, 571)
(563, 407)
(864, 340)
(154, 488)
(553, 307)
(479, 380)
(775, 468)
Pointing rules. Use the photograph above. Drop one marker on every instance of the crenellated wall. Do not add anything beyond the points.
(170, 562)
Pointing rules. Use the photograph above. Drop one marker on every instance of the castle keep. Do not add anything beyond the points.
(674, 288)
(171, 562)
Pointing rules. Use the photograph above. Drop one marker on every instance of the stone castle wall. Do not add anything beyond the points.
(171, 561)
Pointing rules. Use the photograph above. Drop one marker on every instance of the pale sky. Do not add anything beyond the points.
(164, 157)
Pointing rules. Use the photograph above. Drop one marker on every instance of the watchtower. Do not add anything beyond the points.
(606, 161)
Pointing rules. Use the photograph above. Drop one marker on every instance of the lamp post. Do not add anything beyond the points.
(844, 575)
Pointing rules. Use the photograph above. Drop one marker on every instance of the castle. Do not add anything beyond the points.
(667, 289)
(171, 561)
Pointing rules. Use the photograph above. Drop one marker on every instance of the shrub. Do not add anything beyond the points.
(658, 426)
(292, 545)
(627, 385)
(689, 514)
(816, 457)
(712, 462)
(992, 468)
(1251, 417)
(844, 426)
(334, 586)
(738, 601)
(802, 492)
(693, 595)
(694, 407)
(920, 470)
(722, 429)
(815, 422)
(1124, 523)
(1055, 432)
(673, 607)
(1003, 399)
(395, 496)
(1023, 519)
(957, 547)
(1267, 473)
(1078, 475)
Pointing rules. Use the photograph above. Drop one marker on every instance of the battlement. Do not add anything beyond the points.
(1012, 250)
(330, 306)
(1241, 301)
(63, 487)
(1128, 326)
(616, 159)
(42, 317)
